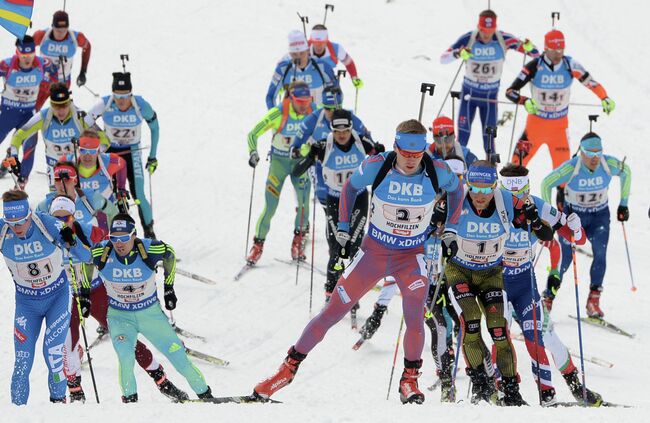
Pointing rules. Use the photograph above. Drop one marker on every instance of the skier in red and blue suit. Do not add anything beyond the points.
(406, 183)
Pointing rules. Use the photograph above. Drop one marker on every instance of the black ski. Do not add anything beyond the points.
(206, 357)
(580, 404)
(243, 399)
(602, 323)
(303, 264)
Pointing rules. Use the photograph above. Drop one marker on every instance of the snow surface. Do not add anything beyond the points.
(205, 66)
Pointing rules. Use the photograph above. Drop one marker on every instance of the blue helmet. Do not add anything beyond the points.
(332, 97)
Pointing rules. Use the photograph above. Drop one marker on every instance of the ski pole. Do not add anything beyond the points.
(304, 20)
(459, 345)
(629, 262)
(514, 120)
(327, 6)
(250, 211)
(454, 95)
(534, 306)
(150, 193)
(444, 100)
(82, 323)
(582, 356)
(302, 221)
(392, 371)
(356, 99)
(469, 97)
(91, 91)
(425, 88)
(313, 242)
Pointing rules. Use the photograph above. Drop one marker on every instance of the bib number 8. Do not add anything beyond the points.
(42, 268)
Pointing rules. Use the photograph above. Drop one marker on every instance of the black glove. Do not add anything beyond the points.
(553, 283)
(123, 195)
(531, 214)
(67, 234)
(81, 79)
(170, 298)
(439, 213)
(253, 159)
(559, 199)
(622, 213)
(449, 244)
(152, 165)
(84, 301)
(379, 148)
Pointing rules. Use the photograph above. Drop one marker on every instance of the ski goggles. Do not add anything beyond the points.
(522, 192)
(83, 150)
(410, 154)
(121, 238)
(64, 172)
(121, 96)
(301, 99)
(65, 219)
(444, 139)
(481, 190)
(590, 153)
(18, 222)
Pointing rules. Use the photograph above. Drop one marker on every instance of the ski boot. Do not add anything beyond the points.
(165, 387)
(206, 395)
(593, 304)
(148, 230)
(256, 251)
(447, 390)
(129, 398)
(548, 398)
(298, 246)
(483, 387)
(373, 322)
(58, 400)
(282, 377)
(75, 389)
(573, 382)
(512, 397)
(408, 384)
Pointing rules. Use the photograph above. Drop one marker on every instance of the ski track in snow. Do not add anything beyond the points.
(205, 69)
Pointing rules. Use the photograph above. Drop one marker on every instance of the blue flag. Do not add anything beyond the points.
(16, 15)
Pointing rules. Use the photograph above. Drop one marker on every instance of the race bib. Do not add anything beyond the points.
(484, 72)
(590, 199)
(480, 251)
(515, 257)
(551, 100)
(36, 273)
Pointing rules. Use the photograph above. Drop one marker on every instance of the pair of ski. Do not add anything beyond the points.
(602, 323)
(184, 333)
(238, 399)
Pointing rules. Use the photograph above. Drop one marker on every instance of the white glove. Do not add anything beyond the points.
(574, 223)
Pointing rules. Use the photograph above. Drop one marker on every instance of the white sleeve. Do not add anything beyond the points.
(341, 54)
(550, 214)
(94, 113)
